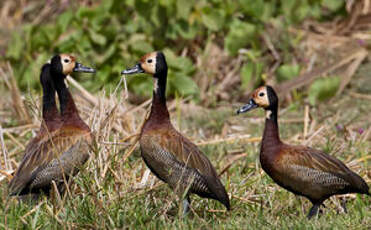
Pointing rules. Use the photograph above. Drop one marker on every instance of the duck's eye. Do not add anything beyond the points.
(66, 60)
(149, 61)
(261, 94)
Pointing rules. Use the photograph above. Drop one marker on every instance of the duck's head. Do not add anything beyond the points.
(264, 97)
(152, 63)
(65, 64)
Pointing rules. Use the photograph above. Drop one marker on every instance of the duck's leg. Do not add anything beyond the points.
(186, 204)
(314, 210)
(344, 205)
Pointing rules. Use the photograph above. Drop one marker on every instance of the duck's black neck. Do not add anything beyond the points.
(49, 109)
(159, 112)
(271, 134)
(68, 108)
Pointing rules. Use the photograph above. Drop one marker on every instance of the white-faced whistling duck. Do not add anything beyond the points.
(170, 156)
(302, 170)
(61, 145)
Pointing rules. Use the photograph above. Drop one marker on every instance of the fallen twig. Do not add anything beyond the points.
(231, 162)
(243, 138)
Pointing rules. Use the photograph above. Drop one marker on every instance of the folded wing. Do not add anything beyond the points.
(178, 162)
(318, 174)
(49, 157)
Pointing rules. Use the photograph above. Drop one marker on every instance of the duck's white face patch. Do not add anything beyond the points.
(68, 63)
(260, 97)
(148, 63)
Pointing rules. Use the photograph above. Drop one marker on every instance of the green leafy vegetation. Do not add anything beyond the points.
(323, 89)
(113, 34)
(287, 72)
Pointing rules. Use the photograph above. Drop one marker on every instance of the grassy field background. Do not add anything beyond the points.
(108, 193)
(318, 59)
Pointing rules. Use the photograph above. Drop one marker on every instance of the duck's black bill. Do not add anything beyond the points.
(249, 106)
(80, 68)
(136, 69)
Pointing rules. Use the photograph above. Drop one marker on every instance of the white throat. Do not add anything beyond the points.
(268, 114)
(66, 81)
(155, 84)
